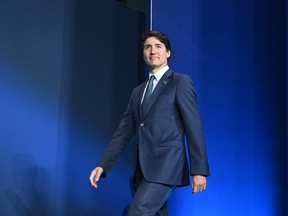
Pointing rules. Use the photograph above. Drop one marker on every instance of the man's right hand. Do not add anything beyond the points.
(95, 175)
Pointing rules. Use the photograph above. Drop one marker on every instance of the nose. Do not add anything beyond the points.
(153, 50)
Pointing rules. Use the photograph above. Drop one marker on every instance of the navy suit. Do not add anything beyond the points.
(171, 114)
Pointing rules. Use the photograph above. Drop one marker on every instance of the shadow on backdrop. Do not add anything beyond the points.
(24, 196)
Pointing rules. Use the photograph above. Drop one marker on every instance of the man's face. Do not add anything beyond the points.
(155, 54)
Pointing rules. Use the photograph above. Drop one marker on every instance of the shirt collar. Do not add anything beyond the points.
(158, 75)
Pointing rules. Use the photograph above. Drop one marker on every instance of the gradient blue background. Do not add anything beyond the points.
(235, 51)
(67, 69)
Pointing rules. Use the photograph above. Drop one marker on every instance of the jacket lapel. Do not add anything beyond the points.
(157, 91)
(139, 98)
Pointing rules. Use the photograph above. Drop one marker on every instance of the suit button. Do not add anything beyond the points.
(142, 124)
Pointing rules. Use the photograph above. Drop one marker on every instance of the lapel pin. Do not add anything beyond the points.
(165, 82)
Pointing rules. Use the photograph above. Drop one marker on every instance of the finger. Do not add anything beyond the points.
(195, 188)
(93, 180)
(97, 175)
(199, 187)
(204, 187)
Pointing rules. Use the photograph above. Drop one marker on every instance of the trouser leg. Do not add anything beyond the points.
(149, 198)
(163, 211)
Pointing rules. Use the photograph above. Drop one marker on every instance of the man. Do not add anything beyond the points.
(162, 112)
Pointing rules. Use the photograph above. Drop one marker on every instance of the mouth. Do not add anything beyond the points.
(153, 58)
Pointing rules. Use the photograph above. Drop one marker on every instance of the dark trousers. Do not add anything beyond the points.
(150, 199)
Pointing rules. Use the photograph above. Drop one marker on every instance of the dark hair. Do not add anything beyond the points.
(159, 35)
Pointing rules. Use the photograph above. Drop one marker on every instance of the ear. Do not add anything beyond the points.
(168, 53)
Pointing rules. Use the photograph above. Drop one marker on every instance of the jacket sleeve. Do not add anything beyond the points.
(187, 103)
(119, 141)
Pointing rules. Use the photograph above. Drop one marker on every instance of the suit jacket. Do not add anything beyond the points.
(171, 116)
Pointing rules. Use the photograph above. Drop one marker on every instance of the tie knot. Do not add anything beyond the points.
(152, 78)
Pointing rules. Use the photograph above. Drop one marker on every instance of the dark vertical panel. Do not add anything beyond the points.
(270, 100)
(101, 56)
(286, 106)
(286, 179)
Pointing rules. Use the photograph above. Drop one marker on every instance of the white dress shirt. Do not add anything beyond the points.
(158, 75)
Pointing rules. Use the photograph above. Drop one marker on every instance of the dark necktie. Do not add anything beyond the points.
(147, 94)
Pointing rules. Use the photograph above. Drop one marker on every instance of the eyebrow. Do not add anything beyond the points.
(157, 44)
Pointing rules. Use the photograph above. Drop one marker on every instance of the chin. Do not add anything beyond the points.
(152, 67)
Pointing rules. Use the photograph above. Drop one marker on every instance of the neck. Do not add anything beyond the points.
(155, 70)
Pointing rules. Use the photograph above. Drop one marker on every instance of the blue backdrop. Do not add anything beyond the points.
(62, 93)
(235, 51)
(63, 88)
